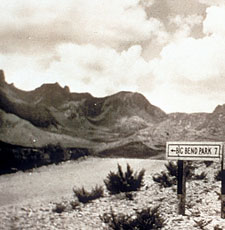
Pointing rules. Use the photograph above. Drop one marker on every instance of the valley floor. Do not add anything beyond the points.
(27, 199)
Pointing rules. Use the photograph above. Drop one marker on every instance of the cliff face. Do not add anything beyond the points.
(51, 114)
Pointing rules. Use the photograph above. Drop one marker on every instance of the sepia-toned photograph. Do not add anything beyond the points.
(112, 115)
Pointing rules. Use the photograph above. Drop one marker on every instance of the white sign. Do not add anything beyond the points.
(194, 150)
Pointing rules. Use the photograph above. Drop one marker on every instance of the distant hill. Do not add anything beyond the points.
(123, 122)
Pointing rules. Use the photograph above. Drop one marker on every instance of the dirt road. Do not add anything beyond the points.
(56, 181)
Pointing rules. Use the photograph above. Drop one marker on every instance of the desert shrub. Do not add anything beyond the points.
(56, 152)
(145, 219)
(164, 179)
(129, 196)
(208, 163)
(201, 224)
(76, 153)
(74, 204)
(168, 178)
(172, 169)
(84, 196)
(189, 170)
(200, 176)
(59, 208)
(124, 182)
(125, 196)
(217, 227)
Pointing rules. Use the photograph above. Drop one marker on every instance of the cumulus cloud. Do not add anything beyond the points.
(147, 3)
(194, 68)
(184, 25)
(103, 46)
(215, 21)
(100, 71)
(91, 45)
(28, 25)
(212, 2)
(21, 70)
(194, 59)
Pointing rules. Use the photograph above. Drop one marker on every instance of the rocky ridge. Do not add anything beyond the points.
(52, 114)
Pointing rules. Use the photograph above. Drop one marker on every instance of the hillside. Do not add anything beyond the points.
(125, 121)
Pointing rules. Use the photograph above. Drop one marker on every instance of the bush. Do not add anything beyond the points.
(56, 152)
(142, 220)
(84, 196)
(200, 176)
(74, 204)
(129, 196)
(169, 178)
(201, 224)
(172, 169)
(59, 208)
(217, 227)
(164, 179)
(124, 182)
(208, 163)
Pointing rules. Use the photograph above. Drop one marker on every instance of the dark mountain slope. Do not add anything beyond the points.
(108, 110)
(116, 123)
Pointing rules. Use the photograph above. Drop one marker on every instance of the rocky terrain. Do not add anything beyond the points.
(202, 201)
(125, 121)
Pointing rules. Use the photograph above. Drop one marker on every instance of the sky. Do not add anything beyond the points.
(171, 51)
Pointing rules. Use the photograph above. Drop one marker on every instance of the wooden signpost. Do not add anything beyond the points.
(223, 185)
(205, 151)
(181, 187)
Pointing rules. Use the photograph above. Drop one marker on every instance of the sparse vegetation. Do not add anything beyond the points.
(145, 219)
(169, 178)
(74, 204)
(200, 176)
(59, 208)
(129, 195)
(201, 224)
(124, 182)
(208, 163)
(189, 170)
(164, 179)
(84, 196)
(15, 157)
(202, 209)
(56, 152)
(171, 168)
(217, 227)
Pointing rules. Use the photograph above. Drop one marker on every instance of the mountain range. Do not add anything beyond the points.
(122, 124)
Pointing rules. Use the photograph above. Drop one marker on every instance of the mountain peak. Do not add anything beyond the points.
(2, 76)
(219, 109)
(49, 86)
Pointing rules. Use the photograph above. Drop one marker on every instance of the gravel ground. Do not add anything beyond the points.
(202, 207)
